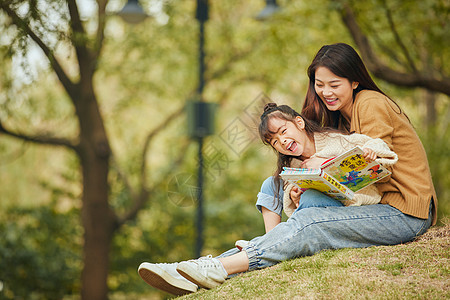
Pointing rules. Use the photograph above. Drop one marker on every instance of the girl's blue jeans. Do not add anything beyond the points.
(313, 229)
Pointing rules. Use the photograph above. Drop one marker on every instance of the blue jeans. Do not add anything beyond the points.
(313, 198)
(313, 229)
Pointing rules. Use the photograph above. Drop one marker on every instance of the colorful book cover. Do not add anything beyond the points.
(353, 171)
(340, 177)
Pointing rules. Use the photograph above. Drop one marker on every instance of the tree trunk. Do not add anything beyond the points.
(97, 216)
(431, 112)
(98, 229)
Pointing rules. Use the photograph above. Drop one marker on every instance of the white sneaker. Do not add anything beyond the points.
(241, 244)
(206, 272)
(166, 278)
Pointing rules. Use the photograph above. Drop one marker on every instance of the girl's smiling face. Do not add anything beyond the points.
(336, 92)
(290, 138)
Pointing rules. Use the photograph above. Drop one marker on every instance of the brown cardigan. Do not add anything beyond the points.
(410, 187)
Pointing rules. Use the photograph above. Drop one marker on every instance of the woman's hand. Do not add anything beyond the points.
(313, 162)
(295, 195)
(369, 154)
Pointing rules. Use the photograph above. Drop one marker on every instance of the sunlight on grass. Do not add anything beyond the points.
(417, 270)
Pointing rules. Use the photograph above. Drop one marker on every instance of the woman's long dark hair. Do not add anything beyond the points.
(342, 60)
(284, 112)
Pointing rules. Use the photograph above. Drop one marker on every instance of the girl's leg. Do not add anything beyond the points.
(229, 252)
(314, 198)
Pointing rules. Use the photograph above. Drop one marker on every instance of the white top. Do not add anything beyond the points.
(329, 145)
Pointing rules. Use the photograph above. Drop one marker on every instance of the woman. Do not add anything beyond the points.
(341, 94)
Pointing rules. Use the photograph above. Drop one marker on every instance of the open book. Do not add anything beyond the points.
(339, 177)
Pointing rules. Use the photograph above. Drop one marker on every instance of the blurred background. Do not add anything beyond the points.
(99, 164)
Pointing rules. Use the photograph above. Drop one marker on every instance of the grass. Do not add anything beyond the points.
(416, 270)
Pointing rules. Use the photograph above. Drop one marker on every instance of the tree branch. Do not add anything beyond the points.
(380, 70)
(397, 37)
(22, 25)
(79, 40)
(166, 122)
(46, 139)
(140, 198)
(98, 46)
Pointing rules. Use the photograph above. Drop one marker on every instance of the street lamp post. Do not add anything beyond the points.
(202, 16)
(200, 116)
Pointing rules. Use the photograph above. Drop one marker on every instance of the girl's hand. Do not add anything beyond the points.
(313, 162)
(295, 195)
(369, 154)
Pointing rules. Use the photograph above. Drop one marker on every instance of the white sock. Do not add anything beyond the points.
(216, 260)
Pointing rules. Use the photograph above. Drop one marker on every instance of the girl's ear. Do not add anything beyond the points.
(355, 84)
(300, 122)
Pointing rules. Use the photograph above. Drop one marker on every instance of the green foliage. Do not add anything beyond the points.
(165, 231)
(437, 146)
(40, 253)
(426, 49)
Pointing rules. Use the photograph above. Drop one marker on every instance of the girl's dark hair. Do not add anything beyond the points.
(284, 112)
(342, 60)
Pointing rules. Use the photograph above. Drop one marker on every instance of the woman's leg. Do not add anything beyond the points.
(308, 231)
(311, 230)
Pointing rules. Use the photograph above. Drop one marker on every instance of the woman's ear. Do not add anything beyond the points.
(355, 84)
(300, 122)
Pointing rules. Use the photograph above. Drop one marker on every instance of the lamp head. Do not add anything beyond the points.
(270, 9)
(132, 12)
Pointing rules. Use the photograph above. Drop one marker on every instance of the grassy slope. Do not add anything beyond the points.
(417, 270)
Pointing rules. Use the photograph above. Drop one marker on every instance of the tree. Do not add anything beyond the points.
(417, 57)
(91, 143)
(28, 24)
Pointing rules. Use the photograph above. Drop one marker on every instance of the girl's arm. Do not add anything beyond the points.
(271, 219)
(314, 162)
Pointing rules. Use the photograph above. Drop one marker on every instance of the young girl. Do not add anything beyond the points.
(298, 140)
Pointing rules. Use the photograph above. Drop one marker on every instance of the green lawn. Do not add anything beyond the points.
(416, 270)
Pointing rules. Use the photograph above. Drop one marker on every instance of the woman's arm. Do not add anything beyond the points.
(271, 219)
(371, 116)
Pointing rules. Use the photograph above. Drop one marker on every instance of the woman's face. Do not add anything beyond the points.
(336, 92)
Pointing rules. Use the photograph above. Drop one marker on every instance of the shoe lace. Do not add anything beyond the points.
(204, 261)
(207, 257)
(202, 258)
